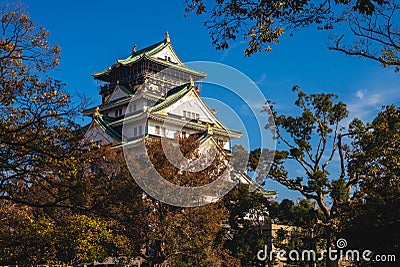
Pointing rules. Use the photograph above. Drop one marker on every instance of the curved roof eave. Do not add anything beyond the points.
(147, 54)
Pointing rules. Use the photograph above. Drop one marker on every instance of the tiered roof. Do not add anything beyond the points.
(149, 54)
(154, 112)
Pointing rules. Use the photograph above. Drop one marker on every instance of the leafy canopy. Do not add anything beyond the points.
(371, 28)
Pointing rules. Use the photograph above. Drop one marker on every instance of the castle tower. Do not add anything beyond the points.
(152, 93)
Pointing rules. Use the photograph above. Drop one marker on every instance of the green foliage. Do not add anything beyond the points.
(31, 236)
(372, 219)
(302, 214)
(307, 138)
(311, 140)
(90, 238)
(248, 213)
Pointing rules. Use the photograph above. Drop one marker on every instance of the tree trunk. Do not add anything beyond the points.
(329, 262)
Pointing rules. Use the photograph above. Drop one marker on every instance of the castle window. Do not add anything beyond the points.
(118, 112)
(163, 131)
(135, 131)
(132, 108)
(157, 130)
(140, 130)
(191, 115)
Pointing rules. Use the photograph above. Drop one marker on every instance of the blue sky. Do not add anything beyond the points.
(93, 34)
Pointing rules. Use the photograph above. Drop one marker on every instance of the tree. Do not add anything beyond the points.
(248, 214)
(300, 229)
(173, 235)
(376, 35)
(40, 143)
(57, 236)
(373, 220)
(313, 140)
(55, 188)
(100, 217)
(372, 24)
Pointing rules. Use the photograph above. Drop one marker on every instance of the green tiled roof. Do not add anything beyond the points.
(124, 89)
(135, 56)
(89, 111)
(172, 96)
(197, 125)
(132, 142)
(148, 51)
(172, 65)
(116, 101)
(262, 191)
(110, 131)
(125, 118)
(267, 192)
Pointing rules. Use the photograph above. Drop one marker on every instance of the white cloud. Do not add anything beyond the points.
(230, 47)
(261, 80)
(366, 105)
(360, 94)
(367, 96)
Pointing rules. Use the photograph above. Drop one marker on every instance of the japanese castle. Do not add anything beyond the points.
(156, 92)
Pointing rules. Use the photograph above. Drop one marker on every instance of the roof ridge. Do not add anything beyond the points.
(150, 49)
(148, 52)
(109, 130)
(141, 51)
(170, 98)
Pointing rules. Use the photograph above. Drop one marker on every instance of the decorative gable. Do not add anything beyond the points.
(191, 107)
(97, 134)
(168, 54)
(118, 93)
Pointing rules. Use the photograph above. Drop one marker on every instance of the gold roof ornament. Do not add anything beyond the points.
(134, 49)
(209, 129)
(167, 37)
(96, 112)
